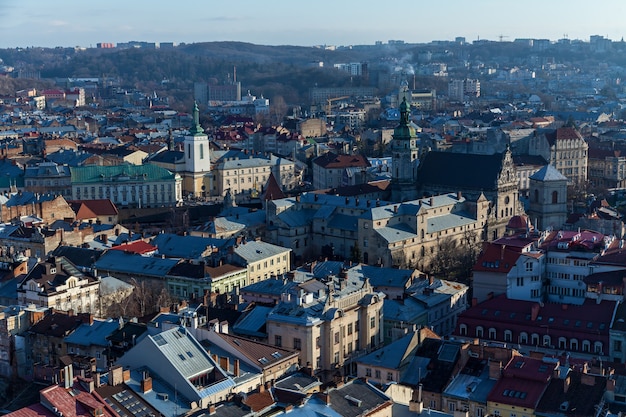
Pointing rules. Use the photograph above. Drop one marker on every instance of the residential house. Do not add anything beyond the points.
(330, 326)
(337, 170)
(389, 363)
(270, 361)
(93, 211)
(57, 283)
(574, 393)
(91, 339)
(523, 382)
(262, 260)
(45, 343)
(48, 178)
(46, 207)
(582, 330)
(565, 149)
(469, 389)
(177, 357)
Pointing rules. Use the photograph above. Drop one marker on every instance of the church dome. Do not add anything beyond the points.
(519, 223)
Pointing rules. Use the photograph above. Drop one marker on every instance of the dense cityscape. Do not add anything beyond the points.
(234, 230)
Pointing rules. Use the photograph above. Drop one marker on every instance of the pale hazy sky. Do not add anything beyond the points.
(52, 23)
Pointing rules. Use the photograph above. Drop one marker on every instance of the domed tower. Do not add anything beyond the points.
(548, 198)
(404, 153)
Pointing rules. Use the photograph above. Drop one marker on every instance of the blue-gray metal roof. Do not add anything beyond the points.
(396, 233)
(93, 334)
(127, 263)
(448, 221)
(252, 323)
(175, 246)
(390, 356)
(254, 251)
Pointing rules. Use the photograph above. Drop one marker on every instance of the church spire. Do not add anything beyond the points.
(196, 129)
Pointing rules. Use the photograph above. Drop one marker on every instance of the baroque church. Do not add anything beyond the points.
(475, 176)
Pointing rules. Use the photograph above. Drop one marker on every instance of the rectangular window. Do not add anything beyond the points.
(368, 371)
(297, 343)
(349, 328)
(372, 322)
(389, 376)
(201, 151)
(378, 374)
(278, 340)
(336, 337)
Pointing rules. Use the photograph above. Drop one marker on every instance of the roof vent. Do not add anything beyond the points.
(564, 406)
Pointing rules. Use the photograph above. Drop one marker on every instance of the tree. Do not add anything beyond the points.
(356, 253)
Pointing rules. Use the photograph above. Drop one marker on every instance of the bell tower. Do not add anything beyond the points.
(404, 153)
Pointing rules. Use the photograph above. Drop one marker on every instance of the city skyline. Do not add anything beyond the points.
(72, 23)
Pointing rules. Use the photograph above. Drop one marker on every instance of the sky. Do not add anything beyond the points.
(68, 23)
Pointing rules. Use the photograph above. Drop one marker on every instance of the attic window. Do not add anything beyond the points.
(263, 360)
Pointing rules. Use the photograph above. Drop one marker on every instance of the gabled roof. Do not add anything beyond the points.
(88, 209)
(548, 173)
(138, 246)
(453, 170)
(260, 354)
(272, 189)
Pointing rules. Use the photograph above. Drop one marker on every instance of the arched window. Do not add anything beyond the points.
(534, 339)
(492, 333)
(463, 329)
(573, 344)
(555, 197)
(523, 338)
(597, 347)
(508, 336)
(422, 233)
(546, 340)
(479, 331)
(562, 343)
(586, 346)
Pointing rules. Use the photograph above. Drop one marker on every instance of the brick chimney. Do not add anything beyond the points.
(224, 363)
(495, 369)
(534, 312)
(146, 384)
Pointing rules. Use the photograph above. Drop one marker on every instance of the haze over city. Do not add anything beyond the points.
(279, 22)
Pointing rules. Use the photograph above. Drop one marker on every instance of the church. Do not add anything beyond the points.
(437, 172)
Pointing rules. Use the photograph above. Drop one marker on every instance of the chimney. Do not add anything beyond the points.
(146, 384)
(534, 311)
(126, 375)
(474, 302)
(97, 380)
(395, 209)
(610, 385)
(416, 405)
(116, 375)
(566, 383)
(236, 367)
(325, 397)
(261, 388)
(431, 201)
(211, 409)
(459, 195)
(495, 369)
(224, 363)
(431, 279)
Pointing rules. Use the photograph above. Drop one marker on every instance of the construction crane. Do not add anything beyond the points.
(332, 100)
(502, 37)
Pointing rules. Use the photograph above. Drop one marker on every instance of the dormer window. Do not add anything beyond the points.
(53, 270)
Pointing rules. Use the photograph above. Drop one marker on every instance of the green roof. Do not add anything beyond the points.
(119, 173)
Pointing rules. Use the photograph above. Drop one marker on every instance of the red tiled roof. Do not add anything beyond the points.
(497, 258)
(79, 403)
(517, 392)
(86, 209)
(35, 410)
(272, 189)
(138, 246)
(259, 401)
(332, 160)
